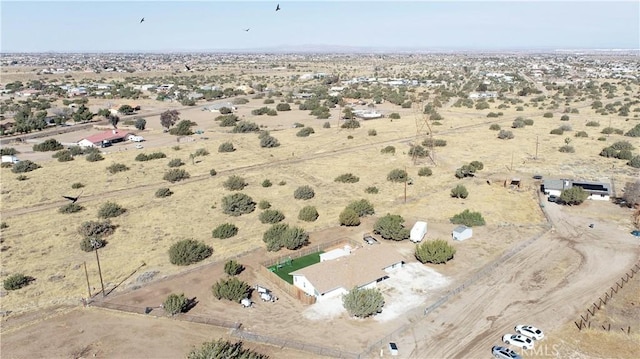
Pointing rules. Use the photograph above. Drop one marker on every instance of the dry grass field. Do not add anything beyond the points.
(43, 243)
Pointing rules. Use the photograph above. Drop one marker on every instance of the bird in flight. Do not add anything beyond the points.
(73, 199)
(278, 7)
(141, 20)
(247, 29)
(187, 67)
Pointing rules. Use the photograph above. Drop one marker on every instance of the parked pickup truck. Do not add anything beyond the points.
(369, 239)
(136, 138)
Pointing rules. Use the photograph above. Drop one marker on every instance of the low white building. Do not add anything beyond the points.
(418, 231)
(598, 191)
(462, 233)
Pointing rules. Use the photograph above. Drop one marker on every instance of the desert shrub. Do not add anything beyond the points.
(63, 156)
(48, 145)
(238, 204)
(70, 208)
(459, 191)
(372, 132)
(428, 142)
(397, 175)
(547, 115)
(225, 230)
(96, 229)
(8, 151)
(326, 125)
(141, 124)
(634, 162)
(16, 281)
(281, 235)
(518, 123)
(608, 130)
(308, 214)
(557, 131)
(95, 157)
(77, 185)
(391, 226)
(304, 192)
(608, 152)
(362, 207)
(505, 135)
(519, 108)
(232, 267)
(388, 149)
(226, 147)
(425, 172)
(564, 118)
(4, 225)
(573, 195)
(183, 128)
(305, 132)
(528, 122)
(110, 210)
(6, 165)
(88, 244)
(266, 183)
(188, 251)
(476, 165)
(371, 190)
(232, 289)
(634, 132)
(175, 304)
(624, 155)
(163, 192)
(394, 116)
(228, 120)
(351, 123)
(347, 178)
(245, 127)
(622, 145)
(269, 142)
(175, 175)
(25, 166)
(565, 128)
(22, 178)
(567, 149)
(176, 162)
(418, 151)
(593, 124)
(494, 127)
(212, 172)
(363, 303)
(235, 183)
(348, 217)
(142, 157)
(282, 183)
(283, 107)
(268, 101)
(581, 134)
(240, 101)
(493, 115)
(220, 348)
(436, 251)
(271, 216)
(468, 218)
(201, 152)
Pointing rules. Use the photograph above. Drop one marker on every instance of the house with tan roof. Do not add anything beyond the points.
(364, 267)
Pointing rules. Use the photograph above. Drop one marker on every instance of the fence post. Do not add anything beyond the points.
(578, 325)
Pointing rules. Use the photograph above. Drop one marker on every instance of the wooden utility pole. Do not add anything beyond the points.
(536, 147)
(86, 274)
(100, 272)
(511, 169)
(405, 184)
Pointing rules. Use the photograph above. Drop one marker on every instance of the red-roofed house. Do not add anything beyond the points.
(102, 138)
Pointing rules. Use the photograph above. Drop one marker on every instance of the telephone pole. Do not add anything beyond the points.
(405, 184)
(86, 274)
(96, 245)
(536, 147)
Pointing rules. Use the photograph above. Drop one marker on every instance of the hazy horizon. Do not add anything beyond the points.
(218, 26)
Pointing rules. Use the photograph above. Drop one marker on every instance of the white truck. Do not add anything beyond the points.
(418, 231)
(10, 159)
(136, 138)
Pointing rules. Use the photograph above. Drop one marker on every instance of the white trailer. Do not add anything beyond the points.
(10, 159)
(418, 231)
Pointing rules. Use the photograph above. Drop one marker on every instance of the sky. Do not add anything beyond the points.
(211, 25)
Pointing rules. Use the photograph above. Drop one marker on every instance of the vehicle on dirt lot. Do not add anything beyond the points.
(369, 239)
(393, 348)
(552, 198)
(518, 340)
(635, 233)
(139, 146)
(529, 331)
(504, 353)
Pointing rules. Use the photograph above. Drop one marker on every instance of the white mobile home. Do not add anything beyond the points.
(418, 231)
(461, 233)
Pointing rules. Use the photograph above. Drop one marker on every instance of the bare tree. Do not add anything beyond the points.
(632, 193)
(169, 118)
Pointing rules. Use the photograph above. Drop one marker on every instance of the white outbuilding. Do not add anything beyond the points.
(461, 233)
(418, 231)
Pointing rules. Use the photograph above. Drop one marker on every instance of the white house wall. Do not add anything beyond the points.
(332, 294)
(598, 197)
(303, 283)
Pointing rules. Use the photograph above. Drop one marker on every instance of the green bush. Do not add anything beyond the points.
(547, 115)
(183, 128)
(188, 251)
(362, 207)
(283, 107)
(622, 145)
(528, 122)
(609, 152)
(494, 127)
(238, 204)
(363, 303)
(505, 135)
(567, 149)
(634, 132)
(564, 118)
(305, 132)
(269, 141)
(371, 190)
(153, 156)
(349, 217)
(232, 289)
(281, 235)
(175, 175)
(48, 145)
(476, 165)
(394, 116)
(240, 101)
(231, 267)
(308, 214)
(220, 348)
(77, 185)
(235, 183)
(175, 304)
(176, 162)
(96, 229)
(95, 157)
(22, 178)
(372, 132)
(347, 178)
(624, 155)
(557, 131)
(425, 172)
(110, 210)
(468, 218)
(573, 195)
(88, 244)
(634, 162)
(391, 226)
(163, 192)
(304, 192)
(593, 124)
(388, 149)
(225, 230)
(245, 127)
(459, 191)
(8, 151)
(428, 142)
(63, 156)
(213, 172)
(397, 175)
(229, 120)
(201, 152)
(70, 208)
(418, 151)
(264, 204)
(271, 216)
(326, 125)
(437, 251)
(226, 147)
(267, 183)
(16, 281)
(581, 134)
(518, 123)
(351, 123)
(25, 166)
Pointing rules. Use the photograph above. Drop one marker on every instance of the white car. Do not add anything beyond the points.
(504, 353)
(529, 331)
(518, 340)
(139, 146)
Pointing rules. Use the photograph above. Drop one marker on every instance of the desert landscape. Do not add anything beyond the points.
(533, 261)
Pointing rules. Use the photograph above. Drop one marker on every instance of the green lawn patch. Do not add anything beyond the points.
(283, 269)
